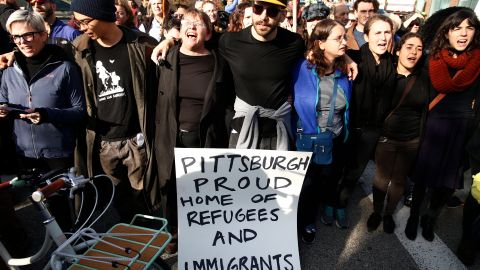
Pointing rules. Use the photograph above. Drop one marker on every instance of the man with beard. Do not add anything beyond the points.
(59, 32)
(260, 58)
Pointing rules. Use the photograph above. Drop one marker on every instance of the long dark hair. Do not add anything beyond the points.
(316, 56)
(404, 39)
(441, 40)
(433, 22)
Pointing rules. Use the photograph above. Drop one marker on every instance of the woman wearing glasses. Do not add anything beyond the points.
(46, 91)
(321, 97)
(43, 93)
(190, 106)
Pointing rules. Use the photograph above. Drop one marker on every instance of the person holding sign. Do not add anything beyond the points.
(190, 105)
(322, 94)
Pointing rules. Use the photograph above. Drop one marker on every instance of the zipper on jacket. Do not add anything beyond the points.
(32, 125)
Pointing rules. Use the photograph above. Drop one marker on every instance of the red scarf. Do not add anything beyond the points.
(467, 66)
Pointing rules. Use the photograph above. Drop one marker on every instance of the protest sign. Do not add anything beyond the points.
(237, 208)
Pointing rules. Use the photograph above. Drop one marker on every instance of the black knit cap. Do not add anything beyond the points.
(103, 10)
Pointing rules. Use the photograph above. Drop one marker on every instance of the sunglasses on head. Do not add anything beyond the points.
(272, 11)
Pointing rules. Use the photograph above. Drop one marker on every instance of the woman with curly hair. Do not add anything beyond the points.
(240, 18)
(321, 97)
(454, 69)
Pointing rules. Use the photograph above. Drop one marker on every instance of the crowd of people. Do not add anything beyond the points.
(102, 94)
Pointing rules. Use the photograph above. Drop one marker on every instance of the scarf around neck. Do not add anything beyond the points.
(373, 89)
(466, 66)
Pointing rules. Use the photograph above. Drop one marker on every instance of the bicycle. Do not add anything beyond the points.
(124, 246)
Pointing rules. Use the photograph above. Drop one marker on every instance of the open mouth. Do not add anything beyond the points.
(462, 42)
(27, 49)
(382, 46)
(412, 59)
(191, 35)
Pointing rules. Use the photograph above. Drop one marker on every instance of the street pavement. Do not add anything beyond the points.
(353, 248)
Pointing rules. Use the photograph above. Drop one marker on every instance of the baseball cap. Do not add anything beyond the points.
(32, 2)
(282, 3)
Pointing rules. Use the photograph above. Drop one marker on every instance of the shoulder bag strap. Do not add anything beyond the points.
(436, 100)
(332, 102)
(407, 90)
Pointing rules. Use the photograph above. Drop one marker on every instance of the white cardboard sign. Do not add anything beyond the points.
(237, 208)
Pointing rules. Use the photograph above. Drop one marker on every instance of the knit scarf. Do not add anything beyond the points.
(466, 65)
(372, 89)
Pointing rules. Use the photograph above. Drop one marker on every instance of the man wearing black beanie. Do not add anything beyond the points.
(119, 82)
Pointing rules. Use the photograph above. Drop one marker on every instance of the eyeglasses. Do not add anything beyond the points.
(80, 23)
(27, 37)
(40, 2)
(369, 11)
(177, 16)
(187, 23)
(339, 39)
(272, 12)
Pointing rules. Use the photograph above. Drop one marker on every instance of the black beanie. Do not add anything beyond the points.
(103, 10)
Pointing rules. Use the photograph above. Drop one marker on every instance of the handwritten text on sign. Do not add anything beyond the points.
(237, 209)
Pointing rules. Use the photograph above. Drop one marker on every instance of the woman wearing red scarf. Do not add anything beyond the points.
(454, 68)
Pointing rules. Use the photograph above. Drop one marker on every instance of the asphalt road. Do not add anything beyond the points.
(353, 248)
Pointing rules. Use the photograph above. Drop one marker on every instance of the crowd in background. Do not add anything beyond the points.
(121, 84)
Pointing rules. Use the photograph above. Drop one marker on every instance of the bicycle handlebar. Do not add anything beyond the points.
(48, 190)
(5, 185)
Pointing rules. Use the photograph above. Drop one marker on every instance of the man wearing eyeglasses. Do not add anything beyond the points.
(58, 32)
(120, 85)
(260, 58)
(363, 10)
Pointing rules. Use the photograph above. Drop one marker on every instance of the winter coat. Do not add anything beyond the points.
(306, 97)
(144, 79)
(57, 89)
(213, 131)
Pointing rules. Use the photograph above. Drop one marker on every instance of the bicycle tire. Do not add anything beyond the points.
(159, 264)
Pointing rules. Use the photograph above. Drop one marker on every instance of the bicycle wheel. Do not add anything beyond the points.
(159, 264)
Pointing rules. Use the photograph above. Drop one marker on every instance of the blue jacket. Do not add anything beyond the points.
(62, 31)
(57, 90)
(305, 85)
